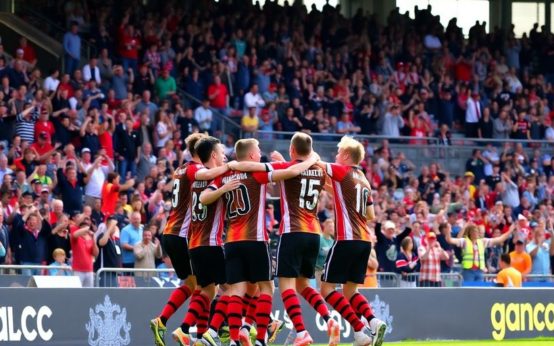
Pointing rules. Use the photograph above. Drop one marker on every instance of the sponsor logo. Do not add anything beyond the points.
(381, 310)
(31, 323)
(521, 317)
(108, 325)
(167, 281)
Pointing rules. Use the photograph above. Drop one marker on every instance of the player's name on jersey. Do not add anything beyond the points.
(199, 184)
(236, 176)
(312, 173)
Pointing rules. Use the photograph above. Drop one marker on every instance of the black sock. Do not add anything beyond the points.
(164, 320)
(185, 328)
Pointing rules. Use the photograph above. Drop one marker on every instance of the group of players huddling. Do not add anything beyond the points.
(207, 191)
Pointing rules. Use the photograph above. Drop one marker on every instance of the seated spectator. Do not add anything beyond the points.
(508, 275)
(59, 261)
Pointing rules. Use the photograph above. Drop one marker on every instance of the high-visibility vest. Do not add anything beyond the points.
(467, 259)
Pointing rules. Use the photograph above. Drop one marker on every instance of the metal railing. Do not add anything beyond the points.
(136, 277)
(419, 150)
(12, 275)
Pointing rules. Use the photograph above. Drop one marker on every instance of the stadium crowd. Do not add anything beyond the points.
(88, 149)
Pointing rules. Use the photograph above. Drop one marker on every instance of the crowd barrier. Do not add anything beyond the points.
(20, 275)
(109, 316)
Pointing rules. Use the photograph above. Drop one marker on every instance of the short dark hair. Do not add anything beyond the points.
(505, 257)
(302, 143)
(191, 141)
(205, 147)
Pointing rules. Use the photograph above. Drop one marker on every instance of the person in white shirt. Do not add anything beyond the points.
(473, 114)
(203, 115)
(253, 99)
(91, 71)
(97, 172)
(51, 82)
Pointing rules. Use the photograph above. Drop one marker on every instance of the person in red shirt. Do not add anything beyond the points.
(218, 95)
(29, 54)
(83, 249)
(43, 124)
(129, 45)
(43, 147)
(110, 193)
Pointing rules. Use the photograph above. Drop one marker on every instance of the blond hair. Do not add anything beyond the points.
(243, 147)
(354, 149)
(58, 252)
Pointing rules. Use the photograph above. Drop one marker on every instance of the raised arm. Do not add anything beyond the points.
(501, 239)
(454, 241)
(209, 195)
(211, 173)
(294, 170)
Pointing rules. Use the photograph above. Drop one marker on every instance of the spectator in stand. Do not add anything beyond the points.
(165, 85)
(30, 238)
(388, 244)
(219, 99)
(96, 173)
(508, 276)
(109, 255)
(6, 253)
(92, 72)
(70, 185)
(59, 261)
(72, 48)
(147, 251)
(84, 249)
(407, 262)
(473, 250)
(146, 104)
(393, 122)
(521, 260)
(473, 114)
(253, 99)
(25, 123)
(110, 192)
(203, 116)
(131, 235)
(250, 122)
(127, 147)
(540, 249)
(431, 254)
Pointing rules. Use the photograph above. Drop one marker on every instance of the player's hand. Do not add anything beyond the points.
(230, 185)
(276, 156)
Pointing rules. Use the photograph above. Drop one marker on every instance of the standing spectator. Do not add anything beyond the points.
(25, 123)
(6, 253)
(473, 114)
(96, 173)
(131, 235)
(431, 254)
(109, 255)
(127, 147)
(219, 99)
(146, 104)
(84, 250)
(520, 259)
(129, 44)
(502, 126)
(146, 161)
(120, 79)
(70, 187)
(253, 99)
(110, 193)
(508, 276)
(147, 251)
(388, 245)
(203, 116)
(30, 239)
(91, 71)
(72, 48)
(165, 85)
(510, 192)
(407, 262)
(540, 249)
(393, 122)
(473, 250)
(59, 261)
(250, 121)
(52, 81)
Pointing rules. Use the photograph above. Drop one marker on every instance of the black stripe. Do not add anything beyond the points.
(261, 314)
(317, 304)
(293, 315)
(288, 297)
(170, 303)
(234, 315)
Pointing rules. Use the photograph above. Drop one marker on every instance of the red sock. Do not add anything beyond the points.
(292, 305)
(263, 317)
(316, 301)
(220, 313)
(361, 306)
(234, 316)
(339, 303)
(250, 316)
(202, 322)
(197, 305)
(176, 299)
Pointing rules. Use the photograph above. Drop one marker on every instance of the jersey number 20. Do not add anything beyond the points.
(238, 202)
